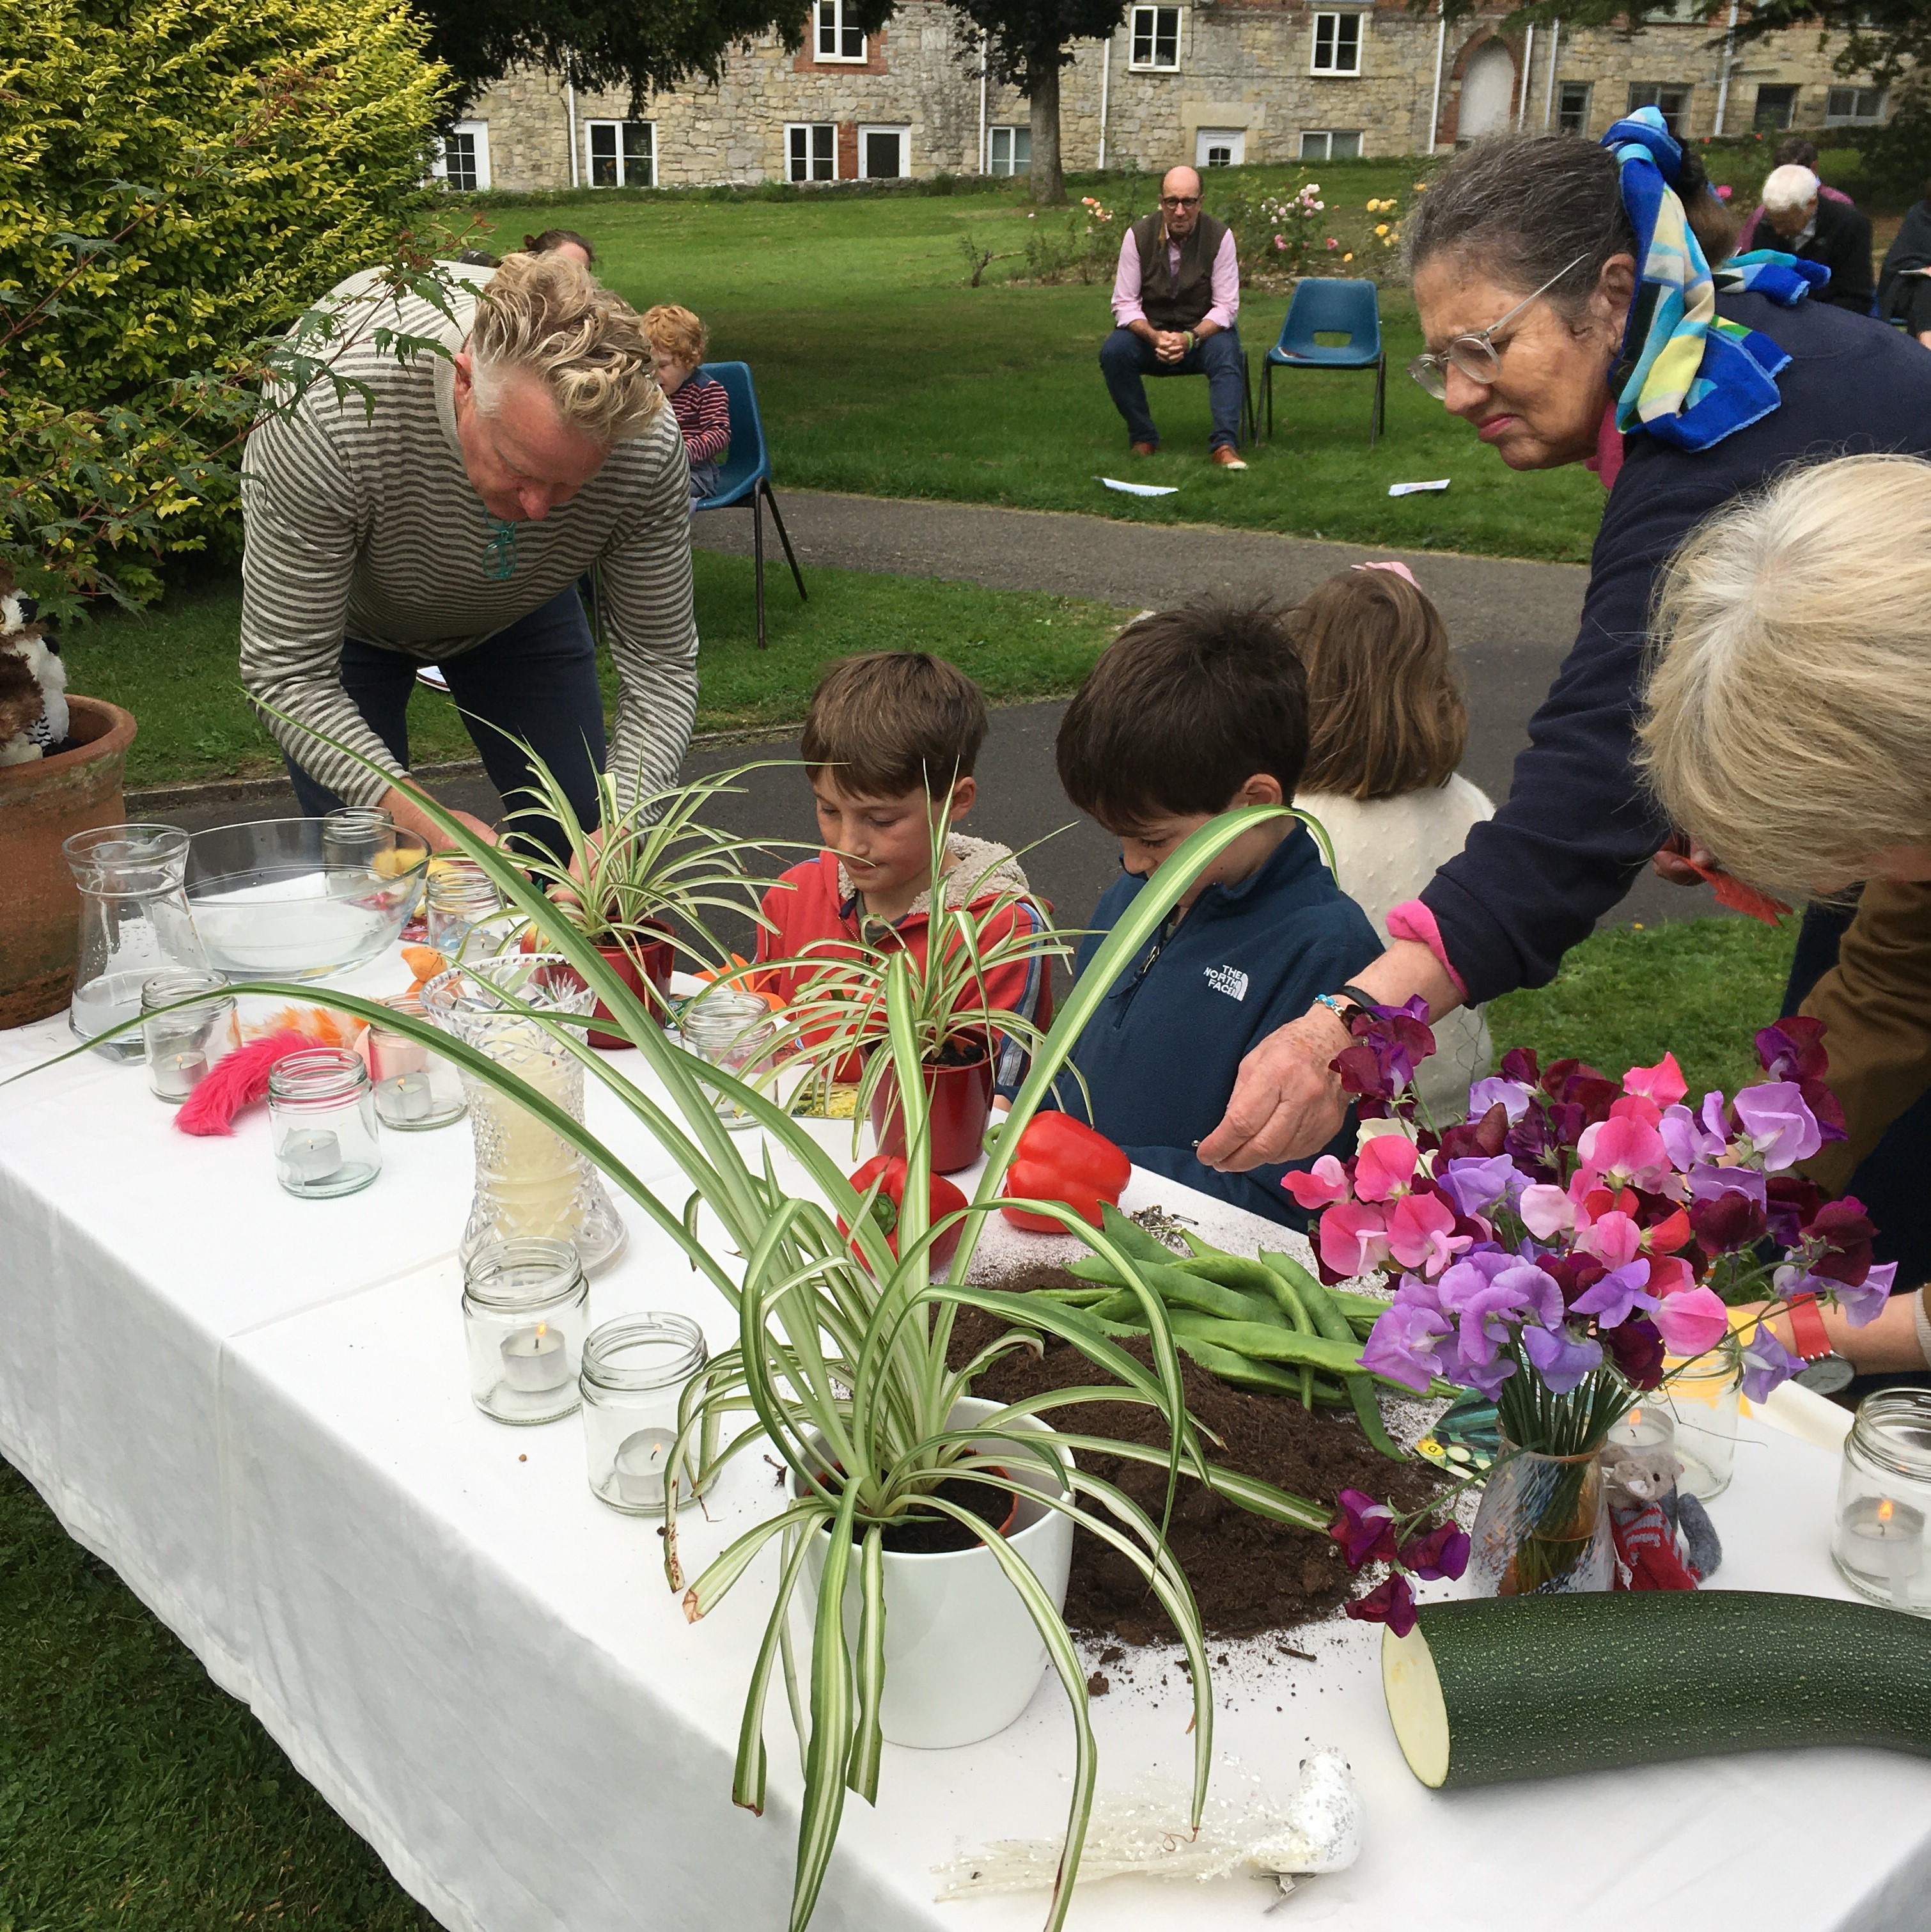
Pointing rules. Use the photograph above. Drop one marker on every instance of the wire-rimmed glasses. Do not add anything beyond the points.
(1475, 355)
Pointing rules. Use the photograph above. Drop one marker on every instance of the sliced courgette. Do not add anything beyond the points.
(1539, 1687)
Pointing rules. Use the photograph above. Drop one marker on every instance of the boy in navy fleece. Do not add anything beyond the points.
(1191, 713)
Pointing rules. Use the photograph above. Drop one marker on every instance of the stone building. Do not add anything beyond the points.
(1215, 83)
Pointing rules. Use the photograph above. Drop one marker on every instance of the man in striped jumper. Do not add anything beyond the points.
(448, 524)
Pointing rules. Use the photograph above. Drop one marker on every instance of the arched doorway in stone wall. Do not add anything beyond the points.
(1488, 92)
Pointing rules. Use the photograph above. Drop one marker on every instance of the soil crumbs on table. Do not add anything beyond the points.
(1248, 1573)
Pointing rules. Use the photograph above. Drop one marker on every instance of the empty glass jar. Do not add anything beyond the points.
(635, 1369)
(1884, 1501)
(134, 922)
(1702, 1396)
(460, 898)
(525, 1312)
(415, 1088)
(183, 1046)
(733, 1030)
(321, 1113)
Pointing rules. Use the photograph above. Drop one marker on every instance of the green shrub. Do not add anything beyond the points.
(179, 178)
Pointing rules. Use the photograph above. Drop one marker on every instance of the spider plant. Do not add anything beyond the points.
(836, 1022)
(841, 1361)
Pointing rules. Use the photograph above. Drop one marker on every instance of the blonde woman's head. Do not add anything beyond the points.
(546, 318)
(1786, 726)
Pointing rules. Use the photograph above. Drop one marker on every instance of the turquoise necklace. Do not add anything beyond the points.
(499, 551)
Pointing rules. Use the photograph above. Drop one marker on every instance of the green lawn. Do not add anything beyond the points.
(174, 667)
(879, 371)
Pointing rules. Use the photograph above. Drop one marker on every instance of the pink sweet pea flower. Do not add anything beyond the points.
(1663, 1083)
(1353, 1238)
(1671, 1275)
(1546, 1211)
(1421, 1232)
(1691, 1320)
(1621, 1152)
(1320, 1186)
(1384, 1167)
(1615, 1240)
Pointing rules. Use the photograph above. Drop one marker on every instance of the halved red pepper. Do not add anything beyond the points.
(942, 1198)
(1061, 1158)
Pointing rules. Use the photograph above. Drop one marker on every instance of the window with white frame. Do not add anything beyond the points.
(1009, 151)
(835, 37)
(1219, 147)
(1157, 37)
(1333, 144)
(1337, 43)
(620, 154)
(1572, 107)
(463, 162)
(1846, 106)
(884, 154)
(811, 151)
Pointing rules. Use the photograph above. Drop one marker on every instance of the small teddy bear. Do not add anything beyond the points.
(33, 681)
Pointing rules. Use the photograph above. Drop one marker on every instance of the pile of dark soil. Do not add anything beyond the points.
(1248, 1574)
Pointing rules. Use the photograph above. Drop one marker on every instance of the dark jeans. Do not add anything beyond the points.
(1126, 360)
(537, 679)
(1890, 1180)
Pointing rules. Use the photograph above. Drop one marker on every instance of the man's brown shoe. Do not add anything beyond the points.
(1146, 449)
(1227, 459)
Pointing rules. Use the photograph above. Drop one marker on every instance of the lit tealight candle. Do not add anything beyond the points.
(643, 1464)
(534, 1362)
(1649, 1426)
(407, 1097)
(176, 1075)
(312, 1156)
(1888, 1538)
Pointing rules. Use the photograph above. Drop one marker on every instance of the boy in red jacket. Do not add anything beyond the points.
(889, 744)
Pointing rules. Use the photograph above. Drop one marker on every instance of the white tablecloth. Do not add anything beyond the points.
(256, 1409)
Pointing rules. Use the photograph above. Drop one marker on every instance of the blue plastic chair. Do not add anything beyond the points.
(1328, 307)
(745, 482)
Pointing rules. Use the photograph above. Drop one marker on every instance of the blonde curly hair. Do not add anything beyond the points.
(1785, 725)
(548, 316)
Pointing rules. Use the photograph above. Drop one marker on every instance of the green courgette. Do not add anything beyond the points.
(1538, 1687)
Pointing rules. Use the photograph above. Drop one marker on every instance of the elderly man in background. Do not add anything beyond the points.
(449, 524)
(1174, 300)
(1800, 219)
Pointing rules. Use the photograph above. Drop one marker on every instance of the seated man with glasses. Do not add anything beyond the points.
(1175, 299)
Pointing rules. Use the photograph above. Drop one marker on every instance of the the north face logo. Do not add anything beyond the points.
(1227, 979)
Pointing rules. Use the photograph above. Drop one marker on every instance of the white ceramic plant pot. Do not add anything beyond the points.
(963, 1657)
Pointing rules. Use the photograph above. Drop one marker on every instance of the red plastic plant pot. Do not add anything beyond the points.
(958, 1102)
(646, 972)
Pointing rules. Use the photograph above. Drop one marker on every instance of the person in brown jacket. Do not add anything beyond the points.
(1786, 732)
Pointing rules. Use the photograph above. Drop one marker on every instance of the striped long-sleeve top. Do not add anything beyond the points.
(703, 413)
(366, 525)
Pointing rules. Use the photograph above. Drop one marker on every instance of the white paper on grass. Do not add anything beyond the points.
(1411, 489)
(1139, 489)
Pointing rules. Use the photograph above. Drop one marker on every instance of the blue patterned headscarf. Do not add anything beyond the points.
(1694, 377)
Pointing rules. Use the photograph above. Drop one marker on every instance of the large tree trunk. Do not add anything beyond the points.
(1049, 181)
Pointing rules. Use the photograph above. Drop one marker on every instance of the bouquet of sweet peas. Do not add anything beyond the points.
(1575, 1232)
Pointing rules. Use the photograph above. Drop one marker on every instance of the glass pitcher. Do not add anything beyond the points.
(134, 923)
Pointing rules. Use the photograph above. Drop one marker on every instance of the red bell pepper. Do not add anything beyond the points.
(942, 1198)
(1061, 1158)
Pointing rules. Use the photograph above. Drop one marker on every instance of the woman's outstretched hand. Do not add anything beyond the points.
(1286, 1102)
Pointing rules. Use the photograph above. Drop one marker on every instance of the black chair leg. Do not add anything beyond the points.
(791, 557)
(757, 550)
(1267, 395)
(1378, 418)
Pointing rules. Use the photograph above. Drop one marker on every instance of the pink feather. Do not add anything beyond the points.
(236, 1081)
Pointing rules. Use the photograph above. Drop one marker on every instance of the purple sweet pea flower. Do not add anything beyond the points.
(1486, 1378)
(1476, 1185)
(1768, 1364)
(1781, 1129)
(1861, 1301)
(1560, 1358)
(1391, 1603)
(1403, 1342)
(1537, 1292)
(1690, 1137)
(1364, 1529)
(1513, 1096)
(1617, 1295)
(1707, 1183)
(1442, 1552)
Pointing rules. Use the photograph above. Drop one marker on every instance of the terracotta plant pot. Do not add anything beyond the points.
(958, 1101)
(650, 981)
(42, 802)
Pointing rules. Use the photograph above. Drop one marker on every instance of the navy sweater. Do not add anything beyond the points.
(1577, 828)
(1160, 1056)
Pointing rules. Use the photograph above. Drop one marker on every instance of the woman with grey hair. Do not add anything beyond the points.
(1571, 316)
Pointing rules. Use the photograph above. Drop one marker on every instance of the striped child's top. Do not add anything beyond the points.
(366, 525)
(703, 413)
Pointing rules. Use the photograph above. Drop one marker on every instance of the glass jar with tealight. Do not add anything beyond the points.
(184, 1044)
(1884, 1501)
(636, 1370)
(321, 1113)
(416, 1089)
(460, 897)
(525, 1313)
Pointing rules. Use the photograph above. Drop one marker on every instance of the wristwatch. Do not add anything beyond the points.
(1825, 1371)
